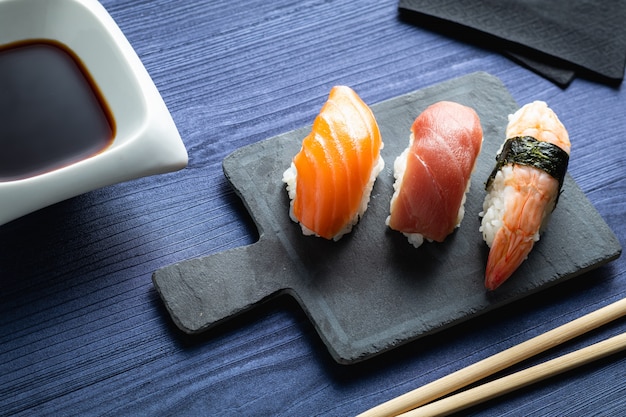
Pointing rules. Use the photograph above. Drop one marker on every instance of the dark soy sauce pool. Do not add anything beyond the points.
(51, 112)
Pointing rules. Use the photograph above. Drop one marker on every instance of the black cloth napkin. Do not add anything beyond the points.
(558, 39)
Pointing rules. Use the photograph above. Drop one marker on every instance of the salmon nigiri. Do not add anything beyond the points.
(523, 188)
(330, 180)
(433, 173)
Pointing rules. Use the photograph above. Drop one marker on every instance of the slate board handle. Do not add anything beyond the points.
(202, 292)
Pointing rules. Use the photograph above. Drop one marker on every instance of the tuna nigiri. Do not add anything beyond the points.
(523, 188)
(330, 180)
(433, 173)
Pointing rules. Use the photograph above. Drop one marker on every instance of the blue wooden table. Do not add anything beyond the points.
(82, 328)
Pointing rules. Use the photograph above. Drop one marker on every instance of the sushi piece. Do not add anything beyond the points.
(330, 180)
(433, 172)
(523, 188)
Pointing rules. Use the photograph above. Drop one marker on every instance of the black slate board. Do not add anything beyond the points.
(372, 291)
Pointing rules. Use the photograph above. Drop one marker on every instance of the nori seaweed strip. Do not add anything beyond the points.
(526, 150)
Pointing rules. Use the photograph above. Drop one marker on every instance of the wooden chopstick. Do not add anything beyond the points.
(488, 366)
(520, 379)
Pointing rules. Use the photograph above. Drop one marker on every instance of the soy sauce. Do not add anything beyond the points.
(52, 113)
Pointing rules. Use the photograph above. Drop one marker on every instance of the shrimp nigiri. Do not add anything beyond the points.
(330, 180)
(523, 188)
(433, 173)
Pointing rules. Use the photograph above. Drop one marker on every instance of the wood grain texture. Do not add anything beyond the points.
(479, 371)
(83, 330)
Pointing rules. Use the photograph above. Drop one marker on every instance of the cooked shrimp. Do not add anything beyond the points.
(521, 196)
(540, 122)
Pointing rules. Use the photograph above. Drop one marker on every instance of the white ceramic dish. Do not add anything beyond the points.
(146, 140)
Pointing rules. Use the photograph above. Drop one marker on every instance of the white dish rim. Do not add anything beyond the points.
(146, 140)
